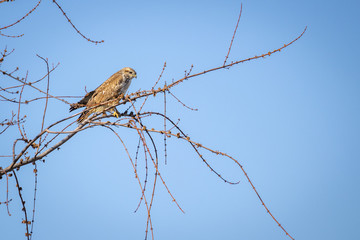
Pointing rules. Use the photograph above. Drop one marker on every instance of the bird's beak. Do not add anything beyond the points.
(135, 76)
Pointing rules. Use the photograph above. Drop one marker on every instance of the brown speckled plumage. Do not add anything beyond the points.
(112, 88)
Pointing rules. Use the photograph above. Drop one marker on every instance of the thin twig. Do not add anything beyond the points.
(34, 204)
(136, 175)
(18, 114)
(47, 99)
(153, 87)
(78, 31)
(233, 36)
(165, 152)
(25, 221)
(1, 28)
(193, 109)
(11, 36)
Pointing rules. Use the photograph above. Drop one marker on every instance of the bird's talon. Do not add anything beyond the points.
(116, 114)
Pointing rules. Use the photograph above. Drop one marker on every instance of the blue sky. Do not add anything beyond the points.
(292, 119)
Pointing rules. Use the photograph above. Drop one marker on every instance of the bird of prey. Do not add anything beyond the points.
(109, 92)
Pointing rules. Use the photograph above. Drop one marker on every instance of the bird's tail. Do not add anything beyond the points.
(82, 102)
(74, 106)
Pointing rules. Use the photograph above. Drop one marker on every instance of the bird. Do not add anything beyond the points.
(111, 89)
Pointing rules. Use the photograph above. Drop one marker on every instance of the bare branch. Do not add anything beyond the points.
(25, 221)
(41, 144)
(10, 25)
(68, 19)
(47, 98)
(232, 39)
(11, 36)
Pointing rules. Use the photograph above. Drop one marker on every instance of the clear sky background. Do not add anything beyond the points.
(292, 119)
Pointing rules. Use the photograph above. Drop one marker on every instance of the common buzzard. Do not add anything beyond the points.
(109, 90)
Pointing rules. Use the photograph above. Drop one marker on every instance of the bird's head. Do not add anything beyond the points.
(129, 72)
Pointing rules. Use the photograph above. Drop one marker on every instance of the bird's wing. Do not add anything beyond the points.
(106, 91)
